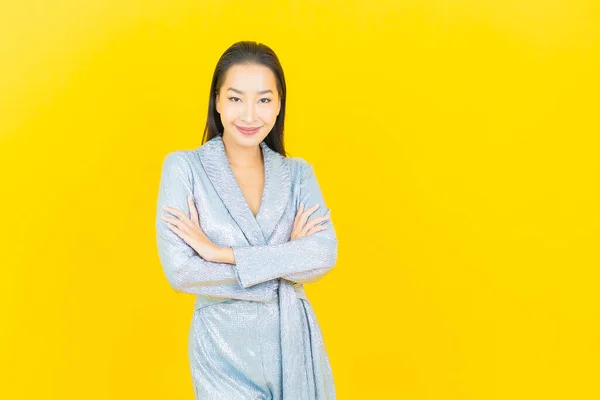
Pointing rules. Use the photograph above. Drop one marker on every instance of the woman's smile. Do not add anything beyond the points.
(247, 131)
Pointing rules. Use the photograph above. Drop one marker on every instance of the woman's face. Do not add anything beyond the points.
(248, 98)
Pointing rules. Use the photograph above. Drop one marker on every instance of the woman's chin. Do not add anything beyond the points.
(248, 140)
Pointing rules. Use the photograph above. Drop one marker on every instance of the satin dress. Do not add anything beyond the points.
(253, 333)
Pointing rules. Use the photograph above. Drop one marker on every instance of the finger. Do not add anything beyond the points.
(178, 232)
(180, 214)
(315, 229)
(181, 225)
(296, 226)
(309, 226)
(174, 211)
(193, 212)
(300, 209)
(298, 213)
(311, 210)
(316, 222)
(306, 214)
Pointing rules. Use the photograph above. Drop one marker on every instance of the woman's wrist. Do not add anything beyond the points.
(225, 255)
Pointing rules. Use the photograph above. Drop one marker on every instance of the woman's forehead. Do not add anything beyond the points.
(250, 79)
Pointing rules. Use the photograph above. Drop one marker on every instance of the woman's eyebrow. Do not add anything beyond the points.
(258, 91)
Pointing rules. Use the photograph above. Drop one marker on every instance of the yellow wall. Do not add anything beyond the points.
(456, 143)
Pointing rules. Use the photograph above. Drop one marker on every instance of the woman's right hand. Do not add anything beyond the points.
(304, 228)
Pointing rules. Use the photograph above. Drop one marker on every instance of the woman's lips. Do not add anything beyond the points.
(247, 131)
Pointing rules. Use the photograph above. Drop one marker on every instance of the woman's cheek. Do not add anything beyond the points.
(270, 115)
(229, 113)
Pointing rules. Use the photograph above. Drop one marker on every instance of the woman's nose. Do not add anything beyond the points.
(249, 113)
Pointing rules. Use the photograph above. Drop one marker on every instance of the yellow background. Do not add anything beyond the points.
(456, 143)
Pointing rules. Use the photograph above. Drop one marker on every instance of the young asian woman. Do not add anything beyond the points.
(243, 228)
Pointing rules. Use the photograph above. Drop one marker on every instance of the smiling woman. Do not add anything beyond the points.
(248, 102)
(243, 227)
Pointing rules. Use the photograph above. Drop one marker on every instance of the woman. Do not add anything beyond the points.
(243, 227)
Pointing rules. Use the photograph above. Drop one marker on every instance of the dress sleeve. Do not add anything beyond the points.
(303, 260)
(184, 269)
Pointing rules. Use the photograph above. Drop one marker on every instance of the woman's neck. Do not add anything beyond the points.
(244, 157)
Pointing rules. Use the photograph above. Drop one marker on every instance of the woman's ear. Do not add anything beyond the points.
(217, 103)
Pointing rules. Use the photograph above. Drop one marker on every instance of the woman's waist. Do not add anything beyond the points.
(269, 292)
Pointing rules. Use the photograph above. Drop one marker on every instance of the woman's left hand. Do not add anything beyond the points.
(190, 231)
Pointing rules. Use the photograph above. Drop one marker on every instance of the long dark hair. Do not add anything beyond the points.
(247, 52)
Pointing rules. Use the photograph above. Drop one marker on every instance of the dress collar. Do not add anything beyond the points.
(275, 195)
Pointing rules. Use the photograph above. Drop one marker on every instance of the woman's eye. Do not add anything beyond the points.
(235, 100)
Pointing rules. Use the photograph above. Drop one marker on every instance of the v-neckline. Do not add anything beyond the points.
(275, 195)
(262, 145)
(262, 194)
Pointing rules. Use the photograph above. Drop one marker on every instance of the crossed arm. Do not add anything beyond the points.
(304, 260)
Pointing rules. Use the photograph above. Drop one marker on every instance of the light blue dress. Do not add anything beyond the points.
(254, 333)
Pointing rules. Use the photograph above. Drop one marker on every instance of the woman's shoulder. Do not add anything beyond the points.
(178, 157)
(299, 167)
(182, 162)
